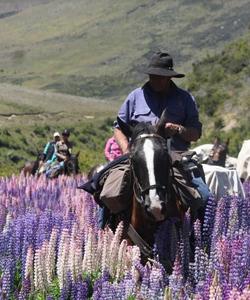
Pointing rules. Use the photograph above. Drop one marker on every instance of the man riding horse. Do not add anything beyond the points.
(161, 96)
(160, 93)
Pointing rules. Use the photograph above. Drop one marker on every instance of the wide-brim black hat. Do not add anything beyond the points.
(161, 64)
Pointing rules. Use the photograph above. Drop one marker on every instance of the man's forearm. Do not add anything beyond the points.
(121, 139)
(189, 134)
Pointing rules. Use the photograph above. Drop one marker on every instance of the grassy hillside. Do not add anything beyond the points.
(98, 48)
(221, 85)
(28, 119)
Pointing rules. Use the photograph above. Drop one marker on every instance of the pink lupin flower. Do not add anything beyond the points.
(245, 293)
(234, 294)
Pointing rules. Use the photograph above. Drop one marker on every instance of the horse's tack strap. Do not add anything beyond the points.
(139, 241)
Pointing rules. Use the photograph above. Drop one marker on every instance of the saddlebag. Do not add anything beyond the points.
(112, 186)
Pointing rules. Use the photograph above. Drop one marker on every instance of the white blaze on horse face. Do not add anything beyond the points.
(155, 204)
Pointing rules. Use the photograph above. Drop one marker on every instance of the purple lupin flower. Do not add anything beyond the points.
(97, 290)
(7, 278)
(26, 288)
(239, 264)
(221, 219)
(184, 244)
(82, 290)
(176, 281)
(234, 217)
(208, 223)
(67, 288)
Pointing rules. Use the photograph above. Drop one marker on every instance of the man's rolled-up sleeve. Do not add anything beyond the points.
(125, 112)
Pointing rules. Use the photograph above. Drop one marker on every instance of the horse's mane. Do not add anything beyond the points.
(142, 128)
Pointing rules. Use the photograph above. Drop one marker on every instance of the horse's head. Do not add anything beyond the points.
(151, 167)
(72, 164)
(218, 153)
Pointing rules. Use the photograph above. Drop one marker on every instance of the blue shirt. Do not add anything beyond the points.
(145, 105)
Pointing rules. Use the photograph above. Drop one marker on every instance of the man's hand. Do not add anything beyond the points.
(171, 129)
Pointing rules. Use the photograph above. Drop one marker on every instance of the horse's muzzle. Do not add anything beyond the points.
(158, 212)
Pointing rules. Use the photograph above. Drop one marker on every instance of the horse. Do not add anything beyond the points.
(154, 199)
(218, 153)
(219, 169)
(215, 154)
(71, 167)
(31, 167)
(243, 161)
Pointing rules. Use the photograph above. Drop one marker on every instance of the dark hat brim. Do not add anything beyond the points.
(163, 72)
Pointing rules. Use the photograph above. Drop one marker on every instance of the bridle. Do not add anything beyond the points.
(139, 193)
(138, 190)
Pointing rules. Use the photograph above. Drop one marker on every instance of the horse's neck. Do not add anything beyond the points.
(142, 224)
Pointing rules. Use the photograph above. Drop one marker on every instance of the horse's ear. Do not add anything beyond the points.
(125, 128)
(160, 126)
(227, 142)
(77, 154)
(216, 140)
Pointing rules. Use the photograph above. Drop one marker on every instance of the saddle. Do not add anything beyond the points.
(111, 185)
(189, 180)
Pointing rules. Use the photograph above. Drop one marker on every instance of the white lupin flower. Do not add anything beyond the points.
(114, 248)
(62, 262)
(50, 259)
(38, 275)
(121, 259)
(105, 251)
(71, 255)
(28, 273)
(89, 253)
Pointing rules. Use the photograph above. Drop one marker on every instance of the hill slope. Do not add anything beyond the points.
(28, 119)
(221, 85)
(96, 48)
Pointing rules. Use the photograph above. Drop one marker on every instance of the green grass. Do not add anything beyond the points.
(28, 119)
(98, 48)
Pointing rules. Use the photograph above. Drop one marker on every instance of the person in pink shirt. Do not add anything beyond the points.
(112, 149)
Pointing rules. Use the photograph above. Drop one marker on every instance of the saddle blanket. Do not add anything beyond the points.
(243, 163)
(222, 181)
